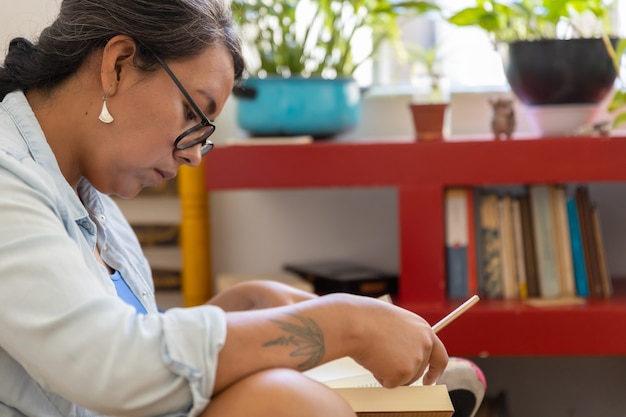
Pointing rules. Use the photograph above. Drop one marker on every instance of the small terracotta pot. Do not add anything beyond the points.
(428, 120)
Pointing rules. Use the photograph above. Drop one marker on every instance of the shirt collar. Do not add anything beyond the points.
(17, 107)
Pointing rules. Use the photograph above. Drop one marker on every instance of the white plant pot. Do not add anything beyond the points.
(561, 119)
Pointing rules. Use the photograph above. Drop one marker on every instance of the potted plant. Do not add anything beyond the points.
(552, 50)
(617, 105)
(295, 47)
(550, 33)
(429, 101)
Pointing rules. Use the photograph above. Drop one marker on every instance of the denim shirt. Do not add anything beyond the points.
(68, 345)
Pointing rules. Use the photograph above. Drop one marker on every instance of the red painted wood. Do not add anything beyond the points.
(330, 164)
(511, 328)
(420, 172)
(421, 215)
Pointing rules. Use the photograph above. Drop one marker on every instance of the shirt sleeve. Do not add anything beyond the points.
(61, 320)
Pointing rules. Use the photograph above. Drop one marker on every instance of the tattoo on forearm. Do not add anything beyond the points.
(307, 337)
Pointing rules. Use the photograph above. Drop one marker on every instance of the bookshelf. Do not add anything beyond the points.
(171, 222)
(155, 216)
(420, 172)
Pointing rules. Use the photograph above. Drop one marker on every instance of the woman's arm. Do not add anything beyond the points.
(396, 345)
(258, 294)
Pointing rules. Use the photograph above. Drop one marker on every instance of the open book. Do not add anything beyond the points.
(369, 399)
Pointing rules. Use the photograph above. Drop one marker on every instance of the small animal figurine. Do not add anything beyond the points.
(503, 121)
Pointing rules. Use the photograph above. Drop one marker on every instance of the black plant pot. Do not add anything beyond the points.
(559, 71)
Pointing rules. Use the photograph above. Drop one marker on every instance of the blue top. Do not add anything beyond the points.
(125, 293)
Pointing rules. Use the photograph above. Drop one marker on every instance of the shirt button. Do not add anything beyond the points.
(103, 217)
(144, 294)
(105, 248)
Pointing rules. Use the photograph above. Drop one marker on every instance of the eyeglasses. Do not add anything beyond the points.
(198, 134)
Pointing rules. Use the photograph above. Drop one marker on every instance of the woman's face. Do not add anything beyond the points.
(150, 112)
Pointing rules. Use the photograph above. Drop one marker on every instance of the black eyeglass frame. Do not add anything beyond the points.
(207, 145)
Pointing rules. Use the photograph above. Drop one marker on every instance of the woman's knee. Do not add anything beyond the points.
(278, 393)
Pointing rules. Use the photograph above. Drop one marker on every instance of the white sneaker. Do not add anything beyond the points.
(466, 384)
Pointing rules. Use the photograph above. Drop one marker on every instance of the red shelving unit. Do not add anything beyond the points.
(420, 172)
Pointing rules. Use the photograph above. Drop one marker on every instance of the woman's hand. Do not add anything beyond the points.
(259, 294)
(398, 346)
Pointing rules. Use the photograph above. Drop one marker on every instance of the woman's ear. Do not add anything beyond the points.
(117, 60)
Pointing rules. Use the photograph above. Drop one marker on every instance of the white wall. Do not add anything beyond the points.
(24, 18)
(255, 232)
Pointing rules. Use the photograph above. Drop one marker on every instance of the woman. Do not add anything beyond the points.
(116, 96)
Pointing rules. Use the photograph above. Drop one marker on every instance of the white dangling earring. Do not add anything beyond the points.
(105, 116)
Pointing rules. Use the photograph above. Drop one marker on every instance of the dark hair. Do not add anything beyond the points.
(171, 28)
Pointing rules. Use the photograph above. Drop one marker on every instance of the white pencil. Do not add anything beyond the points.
(456, 313)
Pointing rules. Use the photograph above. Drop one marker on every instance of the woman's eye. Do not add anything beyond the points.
(191, 115)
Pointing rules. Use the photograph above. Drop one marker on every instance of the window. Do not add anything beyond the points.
(470, 61)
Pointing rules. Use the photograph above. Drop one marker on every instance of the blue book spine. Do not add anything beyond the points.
(456, 267)
(578, 254)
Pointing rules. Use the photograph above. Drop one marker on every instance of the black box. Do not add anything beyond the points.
(345, 276)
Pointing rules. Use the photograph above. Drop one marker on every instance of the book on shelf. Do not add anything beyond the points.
(520, 252)
(605, 279)
(545, 241)
(563, 241)
(166, 279)
(166, 265)
(369, 399)
(590, 248)
(490, 245)
(457, 241)
(476, 243)
(538, 241)
(528, 242)
(473, 256)
(578, 254)
(510, 286)
(157, 234)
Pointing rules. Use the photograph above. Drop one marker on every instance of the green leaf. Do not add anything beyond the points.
(618, 101)
(490, 22)
(273, 30)
(619, 52)
(470, 16)
(619, 120)
(529, 19)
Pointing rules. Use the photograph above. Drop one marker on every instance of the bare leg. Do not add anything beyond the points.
(278, 393)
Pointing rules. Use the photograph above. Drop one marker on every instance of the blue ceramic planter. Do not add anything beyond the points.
(298, 106)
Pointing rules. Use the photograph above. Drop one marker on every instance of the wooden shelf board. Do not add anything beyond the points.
(514, 328)
(326, 164)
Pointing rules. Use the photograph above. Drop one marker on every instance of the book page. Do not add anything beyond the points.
(338, 369)
(346, 373)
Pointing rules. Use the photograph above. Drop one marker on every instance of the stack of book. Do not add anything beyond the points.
(544, 242)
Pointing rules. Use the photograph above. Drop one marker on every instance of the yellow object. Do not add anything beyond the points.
(194, 236)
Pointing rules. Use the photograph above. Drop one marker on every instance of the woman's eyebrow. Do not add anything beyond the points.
(212, 106)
